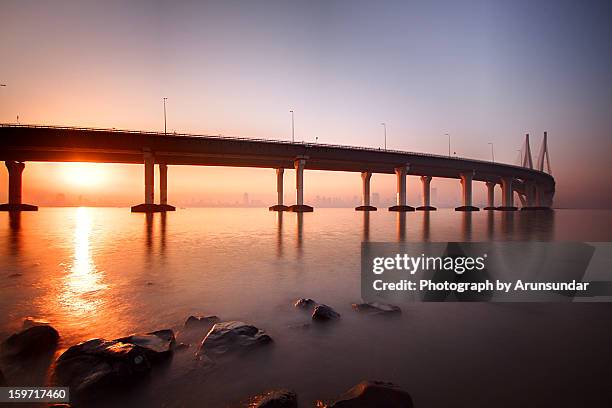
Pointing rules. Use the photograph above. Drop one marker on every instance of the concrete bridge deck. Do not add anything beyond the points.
(22, 143)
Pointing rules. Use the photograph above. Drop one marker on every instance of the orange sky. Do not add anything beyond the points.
(490, 72)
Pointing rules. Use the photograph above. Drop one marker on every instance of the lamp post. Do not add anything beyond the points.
(384, 125)
(449, 149)
(292, 127)
(165, 116)
(492, 154)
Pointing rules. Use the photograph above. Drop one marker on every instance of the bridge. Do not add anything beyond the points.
(22, 143)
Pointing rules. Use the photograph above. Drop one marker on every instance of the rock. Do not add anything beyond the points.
(274, 399)
(233, 336)
(374, 394)
(98, 366)
(305, 303)
(32, 321)
(201, 322)
(2, 379)
(33, 341)
(324, 313)
(156, 345)
(376, 308)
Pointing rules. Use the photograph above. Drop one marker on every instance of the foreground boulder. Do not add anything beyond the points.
(374, 394)
(305, 303)
(376, 308)
(201, 322)
(324, 313)
(33, 341)
(274, 399)
(232, 336)
(156, 345)
(98, 366)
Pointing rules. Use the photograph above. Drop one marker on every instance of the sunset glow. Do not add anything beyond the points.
(84, 174)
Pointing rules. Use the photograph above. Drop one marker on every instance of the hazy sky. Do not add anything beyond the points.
(483, 71)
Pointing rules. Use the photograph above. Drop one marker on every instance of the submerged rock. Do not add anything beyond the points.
(34, 340)
(156, 345)
(376, 308)
(305, 303)
(97, 366)
(374, 394)
(324, 313)
(201, 322)
(274, 399)
(233, 336)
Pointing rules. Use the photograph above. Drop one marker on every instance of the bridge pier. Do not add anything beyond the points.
(279, 191)
(507, 197)
(163, 189)
(401, 173)
(466, 186)
(365, 200)
(490, 195)
(149, 205)
(534, 197)
(299, 165)
(15, 172)
(426, 184)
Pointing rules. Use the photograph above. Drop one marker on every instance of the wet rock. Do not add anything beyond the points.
(376, 308)
(32, 321)
(374, 394)
(34, 340)
(95, 367)
(2, 379)
(201, 322)
(305, 303)
(156, 345)
(233, 336)
(324, 313)
(274, 399)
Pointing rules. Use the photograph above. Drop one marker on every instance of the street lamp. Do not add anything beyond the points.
(492, 154)
(449, 149)
(292, 127)
(384, 125)
(165, 99)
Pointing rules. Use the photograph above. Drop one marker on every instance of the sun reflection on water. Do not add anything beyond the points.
(84, 282)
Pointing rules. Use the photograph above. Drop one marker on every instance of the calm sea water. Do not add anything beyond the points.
(107, 273)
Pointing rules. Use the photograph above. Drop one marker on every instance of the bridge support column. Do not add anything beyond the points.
(299, 165)
(490, 195)
(366, 176)
(507, 197)
(279, 191)
(15, 171)
(534, 197)
(149, 205)
(401, 173)
(426, 184)
(466, 186)
(163, 188)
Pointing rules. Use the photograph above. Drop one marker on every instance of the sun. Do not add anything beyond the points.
(84, 174)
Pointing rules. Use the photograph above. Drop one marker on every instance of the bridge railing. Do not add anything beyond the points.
(253, 139)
